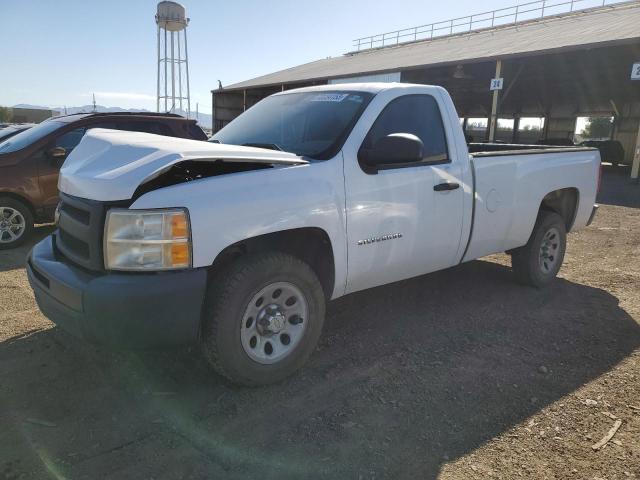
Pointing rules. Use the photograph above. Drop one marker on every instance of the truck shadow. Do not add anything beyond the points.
(407, 377)
(14, 258)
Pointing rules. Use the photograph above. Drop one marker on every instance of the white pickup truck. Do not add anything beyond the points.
(237, 243)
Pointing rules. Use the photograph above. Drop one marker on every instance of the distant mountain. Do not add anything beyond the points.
(204, 119)
(33, 107)
(99, 108)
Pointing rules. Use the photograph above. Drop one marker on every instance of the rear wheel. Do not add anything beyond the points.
(538, 262)
(16, 222)
(262, 319)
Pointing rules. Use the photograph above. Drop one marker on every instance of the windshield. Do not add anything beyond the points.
(312, 124)
(28, 137)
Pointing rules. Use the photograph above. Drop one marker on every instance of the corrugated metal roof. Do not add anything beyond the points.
(614, 24)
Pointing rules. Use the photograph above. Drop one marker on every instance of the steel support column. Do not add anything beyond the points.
(158, 88)
(186, 64)
(516, 130)
(494, 105)
(173, 76)
(213, 112)
(635, 169)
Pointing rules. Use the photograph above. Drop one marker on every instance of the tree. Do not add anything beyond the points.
(5, 114)
(597, 127)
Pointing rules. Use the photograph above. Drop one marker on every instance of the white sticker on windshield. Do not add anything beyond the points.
(329, 97)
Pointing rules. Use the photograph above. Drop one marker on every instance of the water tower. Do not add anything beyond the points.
(173, 61)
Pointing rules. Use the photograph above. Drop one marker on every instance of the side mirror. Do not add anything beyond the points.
(57, 153)
(394, 150)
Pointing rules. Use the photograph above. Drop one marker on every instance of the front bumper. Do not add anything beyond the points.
(117, 309)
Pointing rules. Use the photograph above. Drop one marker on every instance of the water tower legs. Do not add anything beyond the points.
(172, 54)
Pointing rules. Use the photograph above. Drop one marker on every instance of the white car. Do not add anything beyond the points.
(309, 195)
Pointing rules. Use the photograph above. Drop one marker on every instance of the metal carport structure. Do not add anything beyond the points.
(559, 66)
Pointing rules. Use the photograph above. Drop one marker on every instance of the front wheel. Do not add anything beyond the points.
(538, 262)
(16, 222)
(262, 319)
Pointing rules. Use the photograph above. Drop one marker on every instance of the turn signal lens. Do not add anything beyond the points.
(180, 254)
(179, 226)
(147, 239)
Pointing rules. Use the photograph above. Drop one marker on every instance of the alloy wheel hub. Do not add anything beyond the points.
(12, 224)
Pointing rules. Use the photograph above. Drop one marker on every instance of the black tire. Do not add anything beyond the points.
(229, 294)
(527, 263)
(7, 203)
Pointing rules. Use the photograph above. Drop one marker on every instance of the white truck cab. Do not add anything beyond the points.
(309, 195)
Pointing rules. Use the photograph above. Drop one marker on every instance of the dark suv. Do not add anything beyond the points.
(610, 150)
(30, 162)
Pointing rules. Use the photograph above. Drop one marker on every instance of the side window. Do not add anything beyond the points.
(71, 139)
(196, 133)
(415, 114)
(163, 129)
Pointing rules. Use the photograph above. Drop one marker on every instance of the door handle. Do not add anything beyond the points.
(445, 187)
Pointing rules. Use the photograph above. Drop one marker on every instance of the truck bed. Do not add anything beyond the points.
(510, 180)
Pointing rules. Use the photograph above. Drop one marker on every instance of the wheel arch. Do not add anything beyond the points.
(22, 199)
(564, 202)
(310, 244)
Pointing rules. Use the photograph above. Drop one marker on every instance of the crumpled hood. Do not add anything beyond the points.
(109, 165)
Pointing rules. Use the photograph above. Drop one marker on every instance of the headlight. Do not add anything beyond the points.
(147, 239)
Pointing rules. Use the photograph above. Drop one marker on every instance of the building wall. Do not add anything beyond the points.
(30, 115)
(226, 107)
(560, 127)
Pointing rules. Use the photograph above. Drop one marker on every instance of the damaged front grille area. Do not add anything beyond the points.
(79, 237)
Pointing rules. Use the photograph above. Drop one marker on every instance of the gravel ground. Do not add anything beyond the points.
(460, 374)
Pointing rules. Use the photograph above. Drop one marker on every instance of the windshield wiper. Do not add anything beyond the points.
(268, 146)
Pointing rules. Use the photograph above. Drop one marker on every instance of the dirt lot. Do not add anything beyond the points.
(456, 375)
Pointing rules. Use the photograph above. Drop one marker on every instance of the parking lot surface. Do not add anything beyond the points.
(457, 374)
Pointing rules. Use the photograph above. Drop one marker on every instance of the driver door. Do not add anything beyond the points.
(398, 225)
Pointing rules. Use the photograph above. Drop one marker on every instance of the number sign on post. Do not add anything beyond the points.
(496, 84)
(635, 71)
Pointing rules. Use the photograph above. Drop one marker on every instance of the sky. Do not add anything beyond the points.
(57, 53)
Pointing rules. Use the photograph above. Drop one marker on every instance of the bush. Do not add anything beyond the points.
(5, 114)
